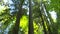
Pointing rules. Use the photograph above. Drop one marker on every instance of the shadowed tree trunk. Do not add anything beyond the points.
(48, 21)
(16, 27)
(44, 28)
(18, 16)
(43, 9)
(31, 28)
(41, 16)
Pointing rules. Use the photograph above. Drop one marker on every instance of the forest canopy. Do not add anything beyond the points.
(29, 16)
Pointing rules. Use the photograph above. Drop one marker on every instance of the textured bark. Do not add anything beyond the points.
(31, 28)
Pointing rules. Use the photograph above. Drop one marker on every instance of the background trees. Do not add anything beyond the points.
(29, 17)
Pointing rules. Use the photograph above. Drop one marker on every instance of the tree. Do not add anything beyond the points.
(31, 29)
(40, 19)
(18, 16)
(41, 15)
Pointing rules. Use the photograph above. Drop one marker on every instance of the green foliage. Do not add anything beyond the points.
(24, 22)
(6, 18)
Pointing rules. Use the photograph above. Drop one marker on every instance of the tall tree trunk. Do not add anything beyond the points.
(19, 15)
(31, 28)
(16, 27)
(48, 21)
(41, 16)
(44, 28)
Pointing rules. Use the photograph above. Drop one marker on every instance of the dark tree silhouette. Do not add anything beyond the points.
(41, 16)
(31, 28)
(43, 10)
(18, 16)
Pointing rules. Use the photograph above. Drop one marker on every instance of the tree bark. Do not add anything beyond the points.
(16, 27)
(48, 21)
(44, 28)
(18, 17)
(31, 28)
(41, 16)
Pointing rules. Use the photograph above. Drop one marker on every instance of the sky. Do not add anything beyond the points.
(53, 15)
